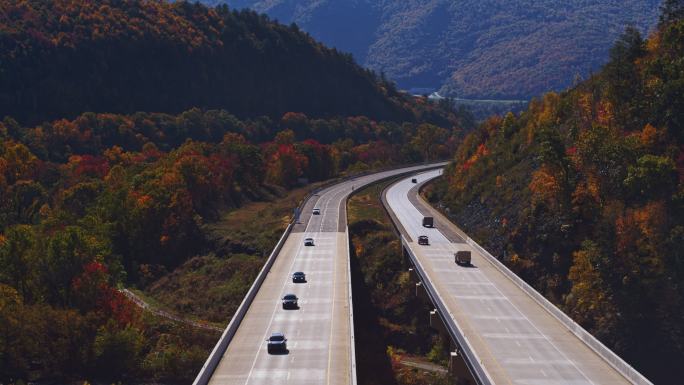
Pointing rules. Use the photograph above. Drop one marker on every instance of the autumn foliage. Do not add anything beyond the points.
(582, 195)
(102, 200)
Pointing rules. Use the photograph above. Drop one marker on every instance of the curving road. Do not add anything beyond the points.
(516, 340)
(319, 332)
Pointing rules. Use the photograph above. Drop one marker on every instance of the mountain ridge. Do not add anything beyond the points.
(469, 49)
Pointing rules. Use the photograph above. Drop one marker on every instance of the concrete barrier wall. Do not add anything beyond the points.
(592, 342)
(351, 314)
(613, 359)
(473, 362)
(220, 348)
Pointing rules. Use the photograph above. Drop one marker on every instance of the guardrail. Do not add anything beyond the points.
(219, 349)
(471, 359)
(338, 180)
(351, 314)
(228, 334)
(592, 342)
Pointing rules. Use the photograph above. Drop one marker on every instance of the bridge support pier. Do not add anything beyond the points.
(413, 276)
(421, 292)
(437, 324)
(459, 370)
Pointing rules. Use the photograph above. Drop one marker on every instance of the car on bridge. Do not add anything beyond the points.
(423, 240)
(316, 211)
(308, 242)
(298, 276)
(277, 343)
(290, 301)
(414, 180)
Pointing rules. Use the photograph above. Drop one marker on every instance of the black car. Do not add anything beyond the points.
(423, 240)
(290, 301)
(277, 343)
(308, 242)
(298, 277)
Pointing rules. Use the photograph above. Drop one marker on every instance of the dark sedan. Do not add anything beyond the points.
(277, 343)
(298, 277)
(290, 301)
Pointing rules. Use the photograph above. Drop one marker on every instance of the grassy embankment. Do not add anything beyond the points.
(210, 287)
(391, 323)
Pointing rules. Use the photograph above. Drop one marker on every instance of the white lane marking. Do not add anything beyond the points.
(521, 336)
(334, 190)
(482, 298)
(270, 323)
(546, 338)
(437, 240)
(498, 317)
(332, 324)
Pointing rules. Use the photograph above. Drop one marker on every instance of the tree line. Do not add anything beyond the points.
(62, 58)
(94, 202)
(581, 195)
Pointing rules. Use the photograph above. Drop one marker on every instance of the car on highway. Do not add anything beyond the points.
(308, 242)
(298, 276)
(423, 240)
(414, 180)
(290, 301)
(277, 343)
(316, 211)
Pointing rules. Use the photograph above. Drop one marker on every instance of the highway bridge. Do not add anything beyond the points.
(502, 329)
(320, 333)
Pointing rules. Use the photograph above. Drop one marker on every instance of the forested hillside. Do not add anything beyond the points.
(583, 196)
(470, 48)
(112, 166)
(104, 199)
(65, 57)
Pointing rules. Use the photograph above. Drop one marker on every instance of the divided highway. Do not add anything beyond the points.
(320, 332)
(512, 338)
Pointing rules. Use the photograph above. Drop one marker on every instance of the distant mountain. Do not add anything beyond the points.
(468, 48)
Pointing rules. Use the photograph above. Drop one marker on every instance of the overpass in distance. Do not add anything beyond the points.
(503, 332)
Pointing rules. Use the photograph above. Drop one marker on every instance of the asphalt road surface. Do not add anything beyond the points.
(319, 332)
(517, 340)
